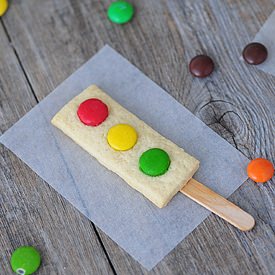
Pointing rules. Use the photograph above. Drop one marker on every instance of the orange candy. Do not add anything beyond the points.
(260, 170)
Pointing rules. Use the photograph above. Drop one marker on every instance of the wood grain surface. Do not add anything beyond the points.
(42, 42)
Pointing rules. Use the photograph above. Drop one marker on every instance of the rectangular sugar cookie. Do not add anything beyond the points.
(160, 189)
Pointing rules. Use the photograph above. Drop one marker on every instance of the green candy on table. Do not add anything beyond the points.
(120, 12)
(25, 260)
(154, 162)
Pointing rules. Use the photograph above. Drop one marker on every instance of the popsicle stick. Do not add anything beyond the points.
(218, 205)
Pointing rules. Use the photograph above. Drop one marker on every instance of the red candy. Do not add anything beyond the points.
(92, 112)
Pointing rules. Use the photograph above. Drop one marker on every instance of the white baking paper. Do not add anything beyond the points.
(266, 36)
(138, 226)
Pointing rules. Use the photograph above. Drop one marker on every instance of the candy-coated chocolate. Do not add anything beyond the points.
(201, 66)
(120, 12)
(122, 137)
(92, 112)
(25, 260)
(3, 6)
(260, 170)
(255, 53)
(154, 162)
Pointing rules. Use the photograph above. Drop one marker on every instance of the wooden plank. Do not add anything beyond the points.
(53, 38)
(31, 213)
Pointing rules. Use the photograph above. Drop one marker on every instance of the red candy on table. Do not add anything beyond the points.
(92, 112)
(260, 170)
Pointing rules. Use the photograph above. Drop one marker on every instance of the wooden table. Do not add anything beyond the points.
(43, 41)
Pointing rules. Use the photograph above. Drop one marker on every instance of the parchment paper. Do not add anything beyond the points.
(140, 228)
(266, 36)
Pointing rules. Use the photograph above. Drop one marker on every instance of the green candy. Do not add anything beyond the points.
(154, 162)
(120, 12)
(25, 260)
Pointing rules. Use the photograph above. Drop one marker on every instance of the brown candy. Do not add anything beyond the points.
(255, 53)
(201, 66)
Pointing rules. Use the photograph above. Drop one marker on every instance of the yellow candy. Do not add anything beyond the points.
(122, 137)
(3, 6)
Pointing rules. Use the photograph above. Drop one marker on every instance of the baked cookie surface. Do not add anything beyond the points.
(159, 189)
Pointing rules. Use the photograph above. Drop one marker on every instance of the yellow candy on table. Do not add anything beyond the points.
(3, 6)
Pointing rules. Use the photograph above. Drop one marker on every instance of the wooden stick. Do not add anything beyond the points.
(218, 205)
